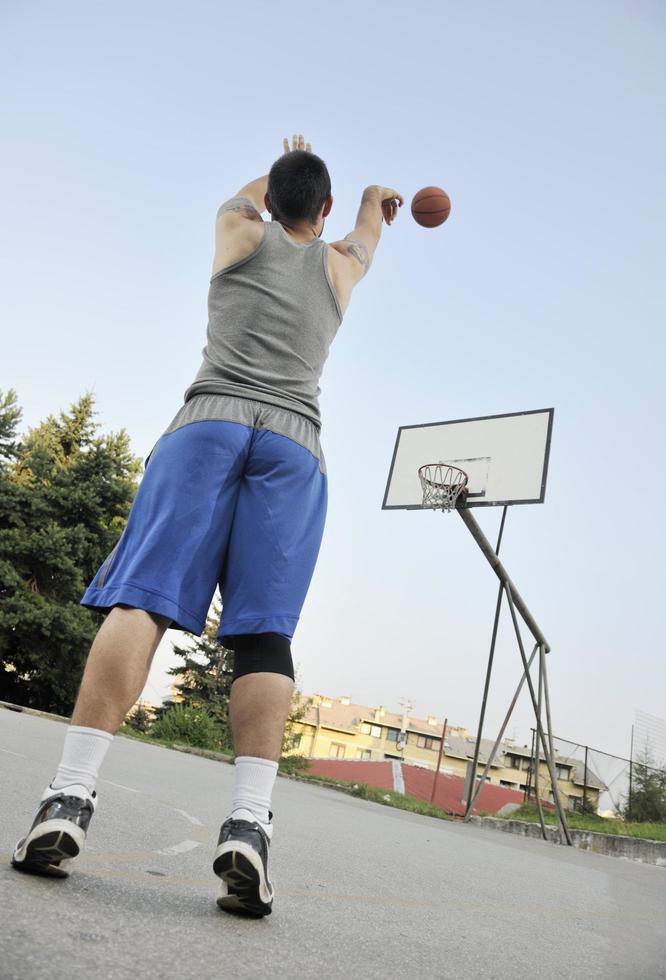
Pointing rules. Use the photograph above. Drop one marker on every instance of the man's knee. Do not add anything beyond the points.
(261, 653)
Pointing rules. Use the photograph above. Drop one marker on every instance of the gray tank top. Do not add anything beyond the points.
(271, 320)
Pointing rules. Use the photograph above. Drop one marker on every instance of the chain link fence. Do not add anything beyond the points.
(648, 740)
(589, 780)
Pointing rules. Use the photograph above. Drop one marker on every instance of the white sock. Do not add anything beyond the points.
(253, 786)
(82, 757)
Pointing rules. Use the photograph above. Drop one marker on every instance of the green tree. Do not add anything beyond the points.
(204, 682)
(204, 677)
(10, 416)
(291, 761)
(140, 718)
(297, 712)
(647, 801)
(65, 494)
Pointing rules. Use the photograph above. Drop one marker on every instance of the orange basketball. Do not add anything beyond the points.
(431, 207)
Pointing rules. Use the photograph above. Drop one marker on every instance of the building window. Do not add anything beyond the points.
(374, 730)
(507, 784)
(563, 772)
(392, 734)
(425, 742)
(363, 754)
(515, 762)
(336, 751)
(365, 728)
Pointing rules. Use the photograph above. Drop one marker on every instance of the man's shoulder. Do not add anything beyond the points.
(238, 209)
(235, 241)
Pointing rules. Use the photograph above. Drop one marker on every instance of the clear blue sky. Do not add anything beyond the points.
(125, 126)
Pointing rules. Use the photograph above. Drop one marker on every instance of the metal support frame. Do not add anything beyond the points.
(439, 761)
(540, 699)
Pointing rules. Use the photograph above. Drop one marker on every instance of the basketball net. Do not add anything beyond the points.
(442, 484)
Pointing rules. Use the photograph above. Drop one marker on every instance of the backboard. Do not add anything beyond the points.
(504, 456)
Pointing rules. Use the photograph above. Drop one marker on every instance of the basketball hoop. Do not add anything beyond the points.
(442, 484)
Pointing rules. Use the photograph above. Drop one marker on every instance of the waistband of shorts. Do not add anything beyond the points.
(254, 414)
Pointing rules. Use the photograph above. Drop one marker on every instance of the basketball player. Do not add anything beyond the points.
(234, 494)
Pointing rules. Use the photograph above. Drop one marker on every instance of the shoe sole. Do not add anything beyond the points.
(49, 849)
(244, 889)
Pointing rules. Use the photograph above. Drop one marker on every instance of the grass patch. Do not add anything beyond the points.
(386, 797)
(133, 733)
(602, 825)
(169, 743)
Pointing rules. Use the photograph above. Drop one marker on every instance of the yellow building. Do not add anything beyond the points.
(336, 728)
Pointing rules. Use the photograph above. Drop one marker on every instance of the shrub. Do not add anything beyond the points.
(192, 726)
(294, 764)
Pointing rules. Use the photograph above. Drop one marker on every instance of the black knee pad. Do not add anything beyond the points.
(261, 652)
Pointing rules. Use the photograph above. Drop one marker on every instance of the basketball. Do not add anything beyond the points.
(431, 207)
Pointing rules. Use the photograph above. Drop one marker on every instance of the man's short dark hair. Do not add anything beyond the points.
(298, 185)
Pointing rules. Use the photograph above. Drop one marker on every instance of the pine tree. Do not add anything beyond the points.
(298, 710)
(204, 678)
(140, 718)
(647, 801)
(292, 761)
(65, 494)
(205, 683)
(10, 416)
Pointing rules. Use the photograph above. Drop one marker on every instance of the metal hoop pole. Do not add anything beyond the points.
(528, 787)
(491, 657)
(540, 733)
(502, 574)
(536, 771)
(493, 753)
(563, 825)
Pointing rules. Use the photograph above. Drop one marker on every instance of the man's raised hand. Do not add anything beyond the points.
(297, 143)
(391, 201)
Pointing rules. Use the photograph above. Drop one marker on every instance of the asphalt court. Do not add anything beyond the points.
(360, 889)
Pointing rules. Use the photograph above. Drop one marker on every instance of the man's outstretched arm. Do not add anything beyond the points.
(359, 246)
(248, 202)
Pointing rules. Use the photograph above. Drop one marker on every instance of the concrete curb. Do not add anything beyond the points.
(32, 711)
(193, 750)
(630, 848)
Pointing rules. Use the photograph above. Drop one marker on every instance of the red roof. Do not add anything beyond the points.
(362, 771)
(450, 790)
(418, 783)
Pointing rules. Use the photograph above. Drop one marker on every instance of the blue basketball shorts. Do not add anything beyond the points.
(224, 504)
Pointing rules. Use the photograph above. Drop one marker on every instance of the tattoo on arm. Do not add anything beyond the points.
(239, 205)
(359, 252)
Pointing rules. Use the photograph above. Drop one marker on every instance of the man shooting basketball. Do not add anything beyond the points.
(234, 494)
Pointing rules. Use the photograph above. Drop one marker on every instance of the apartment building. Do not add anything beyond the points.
(337, 728)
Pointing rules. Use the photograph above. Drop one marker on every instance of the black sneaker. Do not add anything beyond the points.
(241, 861)
(57, 835)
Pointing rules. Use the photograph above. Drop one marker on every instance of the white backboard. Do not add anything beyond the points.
(505, 457)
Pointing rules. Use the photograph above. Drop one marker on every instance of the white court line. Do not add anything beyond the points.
(185, 845)
(197, 823)
(120, 785)
(9, 752)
